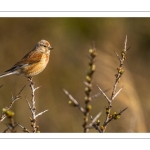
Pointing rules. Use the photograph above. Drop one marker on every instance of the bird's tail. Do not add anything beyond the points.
(7, 74)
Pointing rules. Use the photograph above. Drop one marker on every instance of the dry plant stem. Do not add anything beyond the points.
(94, 123)
(3, 116)
(121, 60)
(88, 88)
(96, 117)
(97, 127)
(75, 102)
(98, 94)
(24, 129)
(114, 93)
(39, 114)
(32, 107)
(11, 126)
(109, 101)
(117, 93)
(6, 130)
(113, 117)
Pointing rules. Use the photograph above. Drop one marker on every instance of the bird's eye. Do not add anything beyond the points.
(43, 45)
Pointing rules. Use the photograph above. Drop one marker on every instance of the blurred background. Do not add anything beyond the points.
(71, 39)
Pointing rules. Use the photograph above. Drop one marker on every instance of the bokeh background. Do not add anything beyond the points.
(71, 39)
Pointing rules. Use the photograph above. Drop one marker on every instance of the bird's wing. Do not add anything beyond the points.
(30, 58)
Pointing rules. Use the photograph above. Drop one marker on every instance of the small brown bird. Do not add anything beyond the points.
(33, 62)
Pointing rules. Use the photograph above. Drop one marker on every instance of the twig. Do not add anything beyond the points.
(24, 129)
(11, 126)
(41, 113)
(32, 107)
(117, 56)
(98, 94)
(88, 88)
(6, 129)
(109, 101)
(121, 111)
(86, 111)
(120, 72)
(16, 97)
(95, 123)
(28, 104)
(75, 102)
(114, 116)
(117, 93)
(3, 116)
(96, 117)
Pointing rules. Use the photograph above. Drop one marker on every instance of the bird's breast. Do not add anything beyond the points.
(45, 58)
(36, 68)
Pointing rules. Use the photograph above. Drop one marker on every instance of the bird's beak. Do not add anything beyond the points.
(50, 48)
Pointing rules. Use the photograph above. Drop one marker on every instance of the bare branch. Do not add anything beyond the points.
(94, 119)
(109, 101)
(125, 44)
(37, 88)
(114, 93)
(41, 113)
(24, 129)
(3, 116)
(28, 103)
(95, 124)
(98, 94)
(10, 126)
(117, 56)
(117, 93)
(32, 107)
(97, 116)
(21, 90)
(87, 84)
(74, 101)
(114, 117)
(6, 129)
(122, 111)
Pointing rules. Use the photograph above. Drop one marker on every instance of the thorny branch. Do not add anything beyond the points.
(88, 88)
(10, 127)
(114, 116)
(24, 129)
(95, 122)
(32, 107)
(12, 124)
(3, 116)
(119, 74)
(109, 101)
(74, 102)
(109, 117)
(41, 113)
(98, 94)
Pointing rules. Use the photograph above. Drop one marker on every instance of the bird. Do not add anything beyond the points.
(33, 63)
